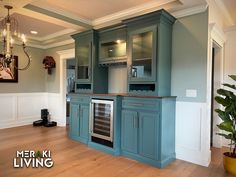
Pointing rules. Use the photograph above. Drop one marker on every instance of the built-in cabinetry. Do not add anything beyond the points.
(148, 129)
(112, 46)
(105, 121)
(142, 126)
(149, 53)
(89, 75)
(79, 117)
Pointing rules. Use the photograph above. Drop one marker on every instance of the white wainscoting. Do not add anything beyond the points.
(192, 133)
(56, 108)
(21, 108)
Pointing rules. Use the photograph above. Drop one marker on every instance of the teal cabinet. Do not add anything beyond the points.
(148, 134)
(84, 121)
(148, 129)
(89, 75)
(129, 131)
(79, 118)
(83, 68)
(149, 51)
(112, 46)
(142, 46)
(74, 120)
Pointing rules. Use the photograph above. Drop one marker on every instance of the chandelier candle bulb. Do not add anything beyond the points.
(8, 41)
(9, 33)
(23, 38)
(4, 33)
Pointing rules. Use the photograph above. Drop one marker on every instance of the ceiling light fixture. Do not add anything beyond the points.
(34, 32)
(9, 32)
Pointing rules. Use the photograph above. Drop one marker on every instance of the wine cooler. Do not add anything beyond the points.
(101, 120)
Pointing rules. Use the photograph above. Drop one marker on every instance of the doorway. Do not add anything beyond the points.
(70, 85)
(216, 82)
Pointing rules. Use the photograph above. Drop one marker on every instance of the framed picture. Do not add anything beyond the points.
(9, 73)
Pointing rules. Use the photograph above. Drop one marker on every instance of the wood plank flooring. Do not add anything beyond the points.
(73, 159)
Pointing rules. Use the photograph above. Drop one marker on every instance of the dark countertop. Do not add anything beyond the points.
(123, 94)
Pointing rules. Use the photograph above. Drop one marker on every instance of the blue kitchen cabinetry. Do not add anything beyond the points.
(89, 75)
(112, 46)
(100, 143)
(148, 129)
(79, 118)
(149, 53)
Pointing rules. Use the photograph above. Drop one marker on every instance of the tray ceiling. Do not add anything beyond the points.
(55, 21)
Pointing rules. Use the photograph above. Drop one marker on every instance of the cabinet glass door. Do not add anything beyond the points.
(83, 62)
(143, 46)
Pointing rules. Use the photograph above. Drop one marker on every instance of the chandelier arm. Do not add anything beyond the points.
(28, 62)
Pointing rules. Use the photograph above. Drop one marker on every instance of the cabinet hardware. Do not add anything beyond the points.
(134, 122)
(130, 71)
(136, 104)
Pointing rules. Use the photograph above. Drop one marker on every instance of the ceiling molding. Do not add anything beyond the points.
(138, 10)
(39, 16)
(231, 28)
(54, 35)
(52, 45)
(66, 53)
(56, 14)
(190, 11)
(225, 12)
(57, 44)
(217, 34)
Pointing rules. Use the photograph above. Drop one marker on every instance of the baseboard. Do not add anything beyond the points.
(193, 156)
(17, 123)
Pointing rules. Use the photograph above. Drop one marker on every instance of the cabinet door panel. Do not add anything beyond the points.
(84, 121)
(74, 120)
(83, 57)
(148, 134)
(142, 44)
(129, 131)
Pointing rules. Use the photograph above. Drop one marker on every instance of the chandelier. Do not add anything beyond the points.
(9, 33)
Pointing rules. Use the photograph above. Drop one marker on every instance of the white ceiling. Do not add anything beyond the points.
(56, 20)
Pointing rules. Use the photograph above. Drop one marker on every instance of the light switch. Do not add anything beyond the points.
(191, 93)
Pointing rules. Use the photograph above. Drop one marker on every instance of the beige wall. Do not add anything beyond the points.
(31, 80)
(53, 80)
(230, 56)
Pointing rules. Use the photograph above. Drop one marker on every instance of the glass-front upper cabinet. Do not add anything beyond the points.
(112, 45)
(83, 56)
(143, 54)
(113, 49)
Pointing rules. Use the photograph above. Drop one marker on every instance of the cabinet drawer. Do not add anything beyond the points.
(80, 99)
(144, 104)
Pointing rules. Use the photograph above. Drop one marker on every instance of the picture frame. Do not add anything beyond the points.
(9, 73)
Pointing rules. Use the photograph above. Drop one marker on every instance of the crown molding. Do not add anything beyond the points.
(217, 34)
(58, 15)
(55, 44)
(54, 35)
(65, 53)
(190, 11)
(230, 29)
(138, 10)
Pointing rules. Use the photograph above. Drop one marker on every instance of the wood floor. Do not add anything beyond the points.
(73, 159)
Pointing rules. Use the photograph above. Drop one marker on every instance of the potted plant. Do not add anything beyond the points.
(227, 99)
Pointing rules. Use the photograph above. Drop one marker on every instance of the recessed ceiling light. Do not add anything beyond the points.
(33, 32)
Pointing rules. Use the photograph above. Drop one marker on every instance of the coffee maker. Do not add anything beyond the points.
(44, 120)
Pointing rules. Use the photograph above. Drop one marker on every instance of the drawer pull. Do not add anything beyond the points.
(136, 104)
